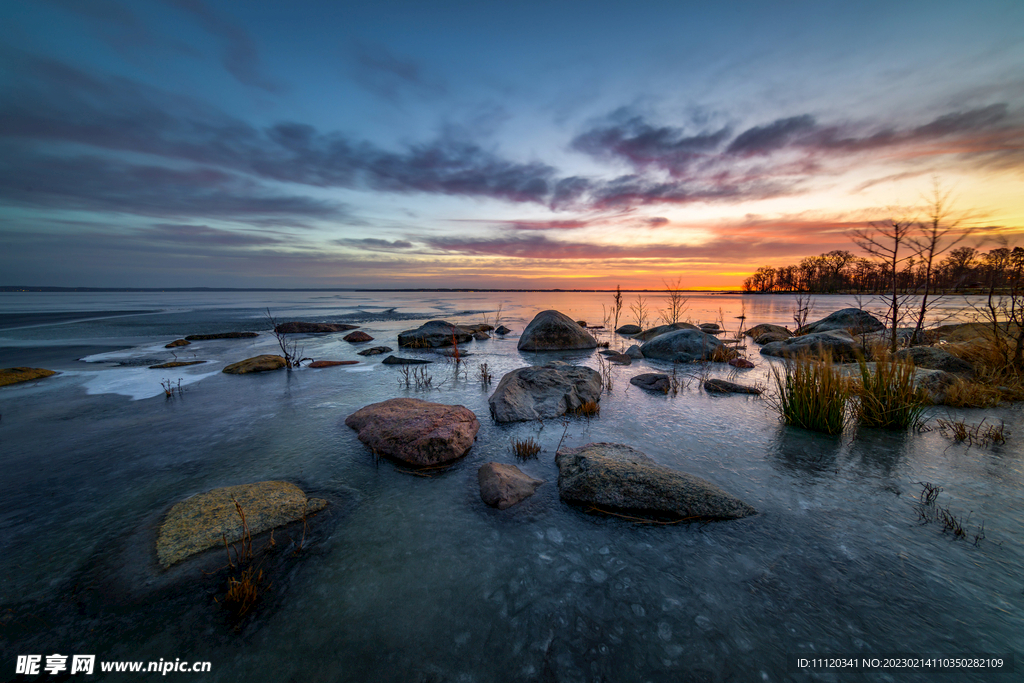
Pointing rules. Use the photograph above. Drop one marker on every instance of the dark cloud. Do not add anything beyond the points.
(775, 135)
(656, 221)
(205, 236)
(375, 244)
(387, 75)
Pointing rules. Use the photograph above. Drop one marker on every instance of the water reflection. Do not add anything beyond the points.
(801, 452)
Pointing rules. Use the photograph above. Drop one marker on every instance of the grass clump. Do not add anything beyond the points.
(982, 434)
(811, 393)
(525, 449)
(888, 397)
(967, 394)
(588, 409)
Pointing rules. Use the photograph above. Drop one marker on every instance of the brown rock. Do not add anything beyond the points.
(741, 363)
(256, 364)
(177, 342)
(502, 486)
(764, 328)
(416, 431)
(721, 386)
(357, 336)
(331, 363)
(16, 375)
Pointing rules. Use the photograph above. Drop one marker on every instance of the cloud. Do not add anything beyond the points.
(768, 138)
(388, 76)
(205, 236)
(375, 244)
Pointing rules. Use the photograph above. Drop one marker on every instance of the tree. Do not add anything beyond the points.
(891, 243)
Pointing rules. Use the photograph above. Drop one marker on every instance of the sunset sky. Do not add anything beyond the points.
(186, 143)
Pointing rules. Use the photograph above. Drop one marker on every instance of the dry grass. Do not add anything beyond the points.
(588, 409)
(888, 398)
(929, 511)
(982, 434)
(811, 394)
(995, 378)
(247, 586)
(525, 449)
(485, 375)
(965, 394)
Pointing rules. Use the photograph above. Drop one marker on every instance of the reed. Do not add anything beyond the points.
(812, 394)
(588, 409)
(887, 397)
(525, 449)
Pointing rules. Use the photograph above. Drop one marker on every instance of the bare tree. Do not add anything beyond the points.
(890, 242)
(676, 302)
(640, 311)
(618, 304)
(291, 351)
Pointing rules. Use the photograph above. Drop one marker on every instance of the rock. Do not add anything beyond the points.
(582, 323)
(207, 519)
(616, 477)
(764, 328)
(554, 331)
(769, 337)
(721, 386)
(620, 359)
(634, 352)
(652, 381)
(484, 327)
(221, 335)
(17, 375)
(298, 327)
(543, 392)
(176, 343)
(935, 358)
(502, 330)
(852, 320)
(741, 363)
(709, 328)
(839, 343)
(395, 360)
(963, 332)
(375, 351)
(357, 336)
(257, 364)
(433, 334)
(331, 363)
(415, 431)
(608, 352)
(502, 486)
(629, 329)
(683, 346)
(650, 334)
(481, 336)
(935, 384)
(176, 364)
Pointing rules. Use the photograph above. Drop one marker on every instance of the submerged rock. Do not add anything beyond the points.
(652, 381)
(415, 431)
(721, 386)
(710, 328)
(262, 363)
(299, 327)
(554, 331)
(395, 360)
(629, 329)
(176, 364)
(647, 335)
(221, 335)
(176, 343)
(852, 320)
(741, 363)
(17, 375)
(433, 334)
(764, 328)
(839, 343)
(683, 346)
(208, 519)
(331, 363)
(375, 351)
(502, 486)
(357, 336)
(542, 392)
(617, 477)
(502, 330)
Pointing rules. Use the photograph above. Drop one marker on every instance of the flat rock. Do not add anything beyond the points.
(396, 360)
(375, 351)
(769, 337)
(652, 381)
(357, 336)
(176, 364)
(331, 363)
(415, 431)
(650, 334)
(852, 320)
(554, 331)
(300, 327)
(16, 375)
(710, 328)
(629, 329)
(481, 336)
(721, 386)
(839, 343)
(741, 363)
(543, 392)
(617, 477)
(176, 343)
(207, 519)
(262, 363)
(935, 358)
(221, 335)
(620, 359)
(433, 334)
(764, 328)
(634, 352)
(502, 486)
(683, 346)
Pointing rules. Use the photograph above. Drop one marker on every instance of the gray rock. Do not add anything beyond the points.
(769, 337)
(502, 486)
(852, 320)
(710, 328)
(395, 360)
(647, 335)
(634, 352)
(375, 351)
(554, 331)
(682, 346)
(433, 334)
(721, 386)
(839, 343)
(616, 477)
(481, 336)
(652, 381)
(935, 384)
(620, 359)
(629, 329)
(764, 328)
(502, 330)
(415, 431)
(543, 392)
(935, 358)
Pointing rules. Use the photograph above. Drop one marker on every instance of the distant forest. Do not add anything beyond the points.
(964, 269)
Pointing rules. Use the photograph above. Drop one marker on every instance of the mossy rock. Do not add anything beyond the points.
(16, 375)
(206, 520)
(256, 364)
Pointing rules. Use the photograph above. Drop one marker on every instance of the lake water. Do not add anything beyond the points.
(412, 578)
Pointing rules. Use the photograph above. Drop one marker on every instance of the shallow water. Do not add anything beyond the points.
(413, 578)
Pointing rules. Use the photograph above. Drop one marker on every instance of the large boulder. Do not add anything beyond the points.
(17, 375)
(415, 431)
(554, 331)
(852, 320)
(839, 343)
(299, 327)
(433, 334)
(207, 520)
(502, 486)
(262, 363)
(613, 476)
(657, 382)
(683, 346)
(935, 358)
(653, 332)
(764, 328)
(543, 392)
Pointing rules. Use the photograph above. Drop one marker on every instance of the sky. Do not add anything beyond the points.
(556, 144)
